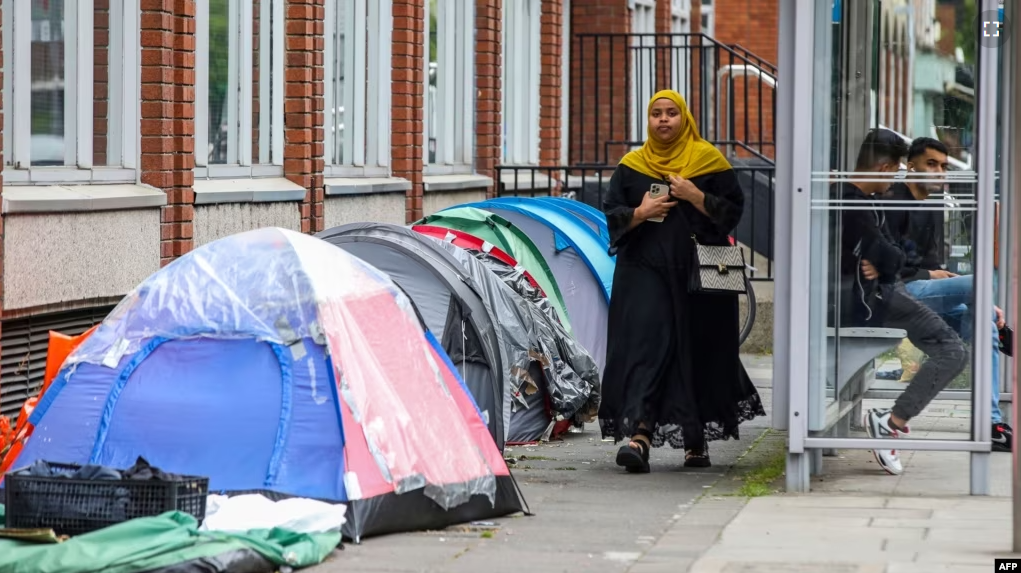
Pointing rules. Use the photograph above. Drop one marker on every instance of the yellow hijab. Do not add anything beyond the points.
(688, 155)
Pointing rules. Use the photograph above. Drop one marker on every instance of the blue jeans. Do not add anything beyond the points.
(951, 298)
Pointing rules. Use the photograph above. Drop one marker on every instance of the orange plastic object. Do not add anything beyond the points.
(13, 440)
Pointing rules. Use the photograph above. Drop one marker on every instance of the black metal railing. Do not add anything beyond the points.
(590, 183)
(731, 92)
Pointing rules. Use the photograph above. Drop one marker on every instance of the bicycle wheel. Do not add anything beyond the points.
(749, 319)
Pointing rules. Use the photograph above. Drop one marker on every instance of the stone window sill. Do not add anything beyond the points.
(251, 190)
(435, 183)
(346, 186)
(78, 198)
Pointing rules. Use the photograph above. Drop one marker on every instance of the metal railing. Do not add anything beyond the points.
(590, 184)
(730, 91)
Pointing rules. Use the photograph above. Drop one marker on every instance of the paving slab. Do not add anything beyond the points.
(589, 515)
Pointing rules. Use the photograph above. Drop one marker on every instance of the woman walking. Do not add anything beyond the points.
(673, 374)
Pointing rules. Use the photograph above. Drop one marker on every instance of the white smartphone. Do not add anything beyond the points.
(656, 191)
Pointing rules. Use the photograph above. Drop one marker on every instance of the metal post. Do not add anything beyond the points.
(988, 80)
(1012, 185)
(782, 214)
(797, 197)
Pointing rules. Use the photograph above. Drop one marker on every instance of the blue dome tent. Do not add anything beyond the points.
(593, 217)
(272, 361)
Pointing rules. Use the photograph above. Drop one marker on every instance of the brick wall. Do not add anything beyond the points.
(753, 24)
(168, 116)
(551, 82)
(664, 55)
(100, 80)
(488, 126)
(303, 63)
(407, 99)
(256, 19)
(599, 79)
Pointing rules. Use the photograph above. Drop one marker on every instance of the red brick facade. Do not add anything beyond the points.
(551, 82)
(488, 126)
(168, 116)
(408, 99)
(303, 107)
(752, 24)
(605, 103)
(593, 99)
(100, 80)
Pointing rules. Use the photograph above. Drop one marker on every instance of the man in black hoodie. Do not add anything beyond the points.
(872, 262)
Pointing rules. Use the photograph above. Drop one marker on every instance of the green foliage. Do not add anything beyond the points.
(965, 32)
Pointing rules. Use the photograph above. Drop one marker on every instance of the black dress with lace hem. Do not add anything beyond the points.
(672, 357)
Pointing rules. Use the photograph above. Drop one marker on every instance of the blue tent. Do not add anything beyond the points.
(577, 257)
(592, 216)
(254, 360)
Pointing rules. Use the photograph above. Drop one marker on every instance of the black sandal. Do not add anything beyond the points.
(636, 460)
(697, 459)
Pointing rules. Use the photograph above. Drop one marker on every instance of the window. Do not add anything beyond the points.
(680, 52)
(708, 18)
(239, 88)
(450, 88)
(522, 67)
(357, 78)
(71, 91)
(643, 65)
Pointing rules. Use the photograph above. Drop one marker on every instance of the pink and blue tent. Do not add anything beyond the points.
(272, 361)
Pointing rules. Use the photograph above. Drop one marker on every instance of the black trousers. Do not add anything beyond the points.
(946, 354)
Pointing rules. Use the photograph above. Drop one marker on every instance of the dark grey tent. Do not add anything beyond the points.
(451, 289)
(571, 372)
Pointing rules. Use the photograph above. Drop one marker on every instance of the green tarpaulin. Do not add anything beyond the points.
(491, 227)
(152, 543)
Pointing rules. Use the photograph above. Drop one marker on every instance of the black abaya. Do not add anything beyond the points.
(672, 357)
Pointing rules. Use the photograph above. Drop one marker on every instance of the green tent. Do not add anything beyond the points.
(162, 542)
(500, 232)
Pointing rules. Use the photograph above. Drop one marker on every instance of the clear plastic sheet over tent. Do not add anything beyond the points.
(280, 286)
(573, 382)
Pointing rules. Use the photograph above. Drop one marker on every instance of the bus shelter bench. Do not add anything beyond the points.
(850, 372)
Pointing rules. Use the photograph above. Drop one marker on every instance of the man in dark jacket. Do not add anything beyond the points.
(919, 229)
(873, 262)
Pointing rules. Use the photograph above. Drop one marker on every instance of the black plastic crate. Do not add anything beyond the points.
(76, 506)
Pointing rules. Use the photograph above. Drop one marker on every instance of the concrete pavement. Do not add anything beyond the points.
(592, 517)
(589, 515)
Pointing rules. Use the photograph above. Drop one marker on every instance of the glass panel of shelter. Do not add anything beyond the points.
(893, 224)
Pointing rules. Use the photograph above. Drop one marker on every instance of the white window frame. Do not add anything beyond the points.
(366, 49)
(643, 81)
(124, 95)
(708, 18)
(239, 108)
(522, 71)
(455, 88)
(680, 23)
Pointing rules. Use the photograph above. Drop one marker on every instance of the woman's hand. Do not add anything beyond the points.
(653, 208)
(684, 190)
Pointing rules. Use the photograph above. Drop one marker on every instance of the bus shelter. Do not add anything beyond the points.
(920, 69)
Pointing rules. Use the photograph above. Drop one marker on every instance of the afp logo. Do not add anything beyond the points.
(1008, 565)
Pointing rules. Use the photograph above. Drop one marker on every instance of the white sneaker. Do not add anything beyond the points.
(877, 425)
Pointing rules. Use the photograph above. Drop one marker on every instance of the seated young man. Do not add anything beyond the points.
(872, 262)
(920, 232)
